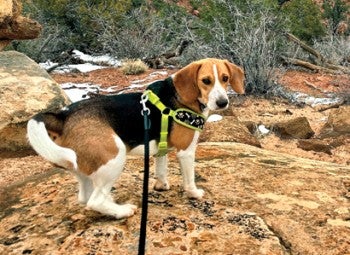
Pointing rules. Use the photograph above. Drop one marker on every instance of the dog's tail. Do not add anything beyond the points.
(38, 130)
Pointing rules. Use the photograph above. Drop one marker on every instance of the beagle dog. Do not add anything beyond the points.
(92, 137)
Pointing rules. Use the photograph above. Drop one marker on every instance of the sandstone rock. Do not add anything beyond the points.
(7, 8)
(13, 26)
(256, 202)
(315, 145)
(338, 123)
(25, 89)
(20, 29)
(294, 128)
(251, 125)
(229, 129)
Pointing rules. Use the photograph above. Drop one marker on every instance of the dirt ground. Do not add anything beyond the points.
(245, 108)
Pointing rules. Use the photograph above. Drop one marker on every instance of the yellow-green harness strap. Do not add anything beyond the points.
(182, 116)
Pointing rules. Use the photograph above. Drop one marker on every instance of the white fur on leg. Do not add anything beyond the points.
(86, 187)
(103, 179)
(102, 203)
(161, 174)
(186, 159)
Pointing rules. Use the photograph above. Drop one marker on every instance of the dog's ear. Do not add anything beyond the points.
(236, 77)
(185, 82)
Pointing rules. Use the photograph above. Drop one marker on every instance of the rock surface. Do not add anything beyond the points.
(25, 89)
(13, 26)
(315, 145)
(295, 128)
(338, 123)
(229, 129)
(256, 202)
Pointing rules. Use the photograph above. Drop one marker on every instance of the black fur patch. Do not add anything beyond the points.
(122, 112)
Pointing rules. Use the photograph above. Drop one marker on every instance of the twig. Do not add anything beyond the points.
(309, 84)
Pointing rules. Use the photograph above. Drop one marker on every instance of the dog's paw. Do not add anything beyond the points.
(161, 186)
(125, 211)
(195, 193)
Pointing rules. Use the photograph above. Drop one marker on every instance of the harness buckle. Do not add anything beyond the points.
(162, 149)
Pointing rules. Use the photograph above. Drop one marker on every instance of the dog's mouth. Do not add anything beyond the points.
(202, 106)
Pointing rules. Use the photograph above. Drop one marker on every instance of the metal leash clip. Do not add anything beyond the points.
(144, 99)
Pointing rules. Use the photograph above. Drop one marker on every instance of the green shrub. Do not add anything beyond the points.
(335, 11)
(305, 19)
(69, 25)
(143, 33)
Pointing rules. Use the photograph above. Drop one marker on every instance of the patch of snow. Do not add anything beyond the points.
(149, 78)
(263, 130)
(136, 86)
(105, 60)
(158, 73)
(91, 63)
(77, 92)
(83, 68)
(214, 118)
(48, 64)
(315, 101)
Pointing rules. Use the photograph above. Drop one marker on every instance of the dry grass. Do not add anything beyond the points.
(131, 66)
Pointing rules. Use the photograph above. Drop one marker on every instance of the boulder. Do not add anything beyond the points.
(256, 202)
(25, 89)
(13, 26)
(315, 145)
(338, 123)
(294, 128)
(229, 129)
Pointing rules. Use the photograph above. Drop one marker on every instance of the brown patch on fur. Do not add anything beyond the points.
(92, 139)
(53, 135)
(236, 77)
(53, 124)
(185, 82)
(180, 137)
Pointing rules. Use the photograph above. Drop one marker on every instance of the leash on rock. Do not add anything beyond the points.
(143, 226)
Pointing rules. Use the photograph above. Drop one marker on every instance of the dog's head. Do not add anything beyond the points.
(204, 83)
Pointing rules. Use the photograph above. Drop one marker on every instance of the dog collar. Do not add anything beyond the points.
(182, 116)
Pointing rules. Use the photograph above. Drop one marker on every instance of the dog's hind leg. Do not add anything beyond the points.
(103, 180)
(161, 174)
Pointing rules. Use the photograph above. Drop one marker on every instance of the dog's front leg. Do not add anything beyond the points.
(162, 183)
(186, 159)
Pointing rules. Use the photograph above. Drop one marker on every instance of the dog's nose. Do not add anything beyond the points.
(222, 102)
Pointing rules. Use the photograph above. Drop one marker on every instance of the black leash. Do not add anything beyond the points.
(146, 122)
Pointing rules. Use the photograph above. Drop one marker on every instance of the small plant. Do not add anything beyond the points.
(134, 67)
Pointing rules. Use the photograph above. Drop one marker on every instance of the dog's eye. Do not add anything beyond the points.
(225, 78)
(206, 81)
